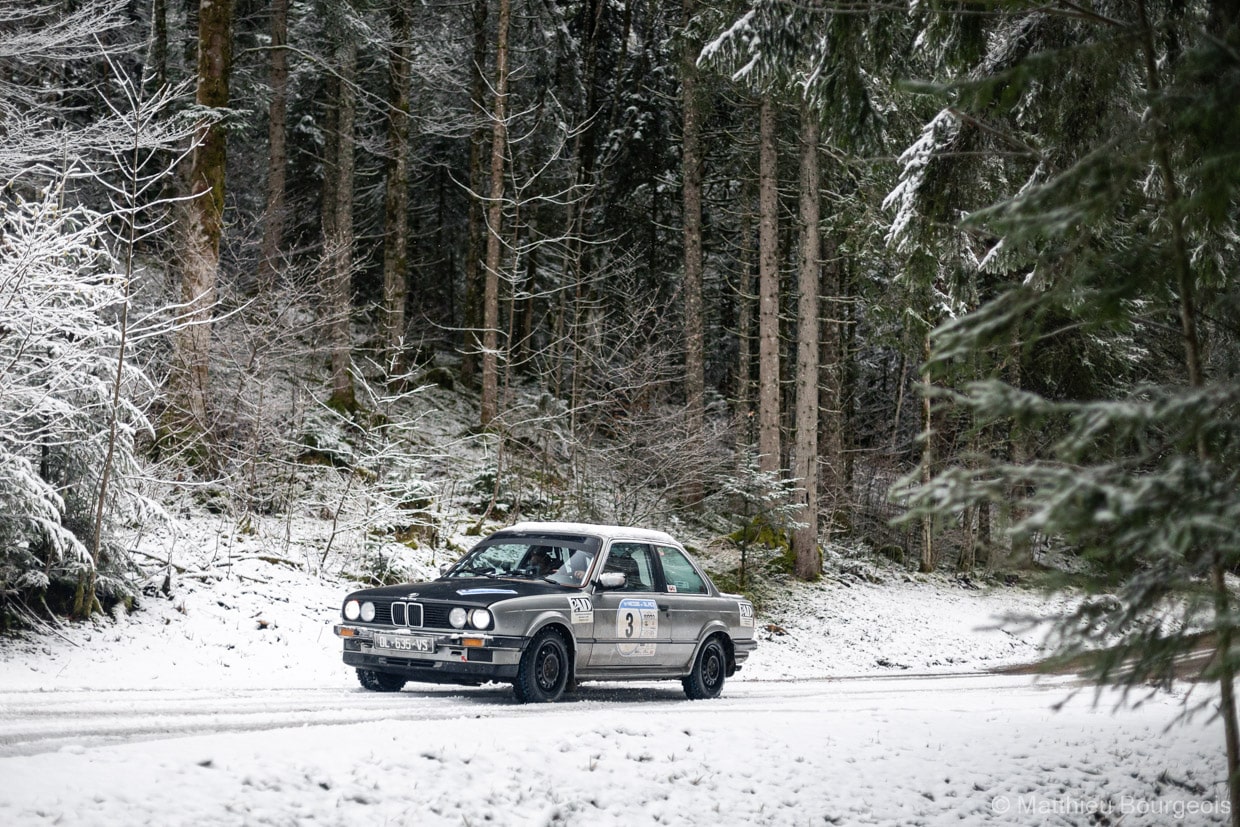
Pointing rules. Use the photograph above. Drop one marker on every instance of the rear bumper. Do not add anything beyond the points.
(742, 648)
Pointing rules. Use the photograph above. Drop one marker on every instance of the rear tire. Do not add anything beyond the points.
(706, 679)
(544, 672)
(380, 681)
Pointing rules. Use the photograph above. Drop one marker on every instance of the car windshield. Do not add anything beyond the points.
(534, 558)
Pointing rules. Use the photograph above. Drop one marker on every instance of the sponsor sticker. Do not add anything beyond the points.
(746, 612)
(581, 609)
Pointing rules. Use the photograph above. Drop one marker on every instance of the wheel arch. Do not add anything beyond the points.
(719, 630)
(555, 622)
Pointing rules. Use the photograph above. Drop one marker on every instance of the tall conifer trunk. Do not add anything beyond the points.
(338, 241)
(495, 217)
(396, 192)
(768, 291)
(277, 155)
(477, 148)
(805, 468)
(157, 61)
(191, 353)
(691, 169)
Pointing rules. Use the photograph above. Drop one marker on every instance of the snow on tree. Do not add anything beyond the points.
(72, 401)
(1117, 225)
(59, 333)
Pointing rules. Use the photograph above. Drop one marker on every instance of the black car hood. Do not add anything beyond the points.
(474, 591)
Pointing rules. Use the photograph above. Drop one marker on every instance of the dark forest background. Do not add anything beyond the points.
(950, 280)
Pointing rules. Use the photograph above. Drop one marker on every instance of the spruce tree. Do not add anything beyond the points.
(1104, 238)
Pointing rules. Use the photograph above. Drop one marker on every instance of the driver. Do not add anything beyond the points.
(540, 561)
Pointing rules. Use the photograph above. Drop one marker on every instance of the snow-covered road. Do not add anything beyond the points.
(877, 750)
(33, 722)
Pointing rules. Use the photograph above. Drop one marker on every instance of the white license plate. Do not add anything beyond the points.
(405, 643)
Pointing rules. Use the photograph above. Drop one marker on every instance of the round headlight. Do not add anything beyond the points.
(481, 618)
(352, 609)
(457, 618)
(368, 611)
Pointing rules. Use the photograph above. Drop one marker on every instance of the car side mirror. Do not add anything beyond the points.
(611, 580)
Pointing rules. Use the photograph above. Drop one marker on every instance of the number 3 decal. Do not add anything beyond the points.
(637, 626)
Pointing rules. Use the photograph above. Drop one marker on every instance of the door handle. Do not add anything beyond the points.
(663, 607)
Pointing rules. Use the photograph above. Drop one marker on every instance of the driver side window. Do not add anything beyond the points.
(634, 561)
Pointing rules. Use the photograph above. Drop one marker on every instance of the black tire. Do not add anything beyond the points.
(709, 670)
(545, 671)
(380, 681)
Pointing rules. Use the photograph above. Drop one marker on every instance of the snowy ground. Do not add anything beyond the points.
(924, 750)
(226, 703)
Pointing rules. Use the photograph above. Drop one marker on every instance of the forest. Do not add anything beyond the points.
(949, 278)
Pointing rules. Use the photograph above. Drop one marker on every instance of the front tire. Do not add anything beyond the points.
(380, 681)
(544, 671)
(706, 679)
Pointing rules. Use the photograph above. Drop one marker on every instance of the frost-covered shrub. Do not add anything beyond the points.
(59, 340)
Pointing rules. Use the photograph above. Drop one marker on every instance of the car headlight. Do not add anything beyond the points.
(352, 610)
(368, 611)
(480, 618)
(457, 618)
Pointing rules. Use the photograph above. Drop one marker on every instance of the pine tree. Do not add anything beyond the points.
(1112, 221)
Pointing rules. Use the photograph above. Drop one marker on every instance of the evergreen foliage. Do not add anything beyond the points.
(58, 342)
(1103, 243)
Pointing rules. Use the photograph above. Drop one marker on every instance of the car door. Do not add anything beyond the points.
(690, 604)
(630, 623)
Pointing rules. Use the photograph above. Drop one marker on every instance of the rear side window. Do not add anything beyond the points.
(679, 573)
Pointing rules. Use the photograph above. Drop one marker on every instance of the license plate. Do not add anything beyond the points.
(405, 643)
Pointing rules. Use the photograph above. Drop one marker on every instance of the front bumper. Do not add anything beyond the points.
(458, 658)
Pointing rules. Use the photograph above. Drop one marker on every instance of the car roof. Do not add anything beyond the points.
(606, 532)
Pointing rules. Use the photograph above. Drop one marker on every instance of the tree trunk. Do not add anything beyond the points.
(277, 155)
(927, 461)
(157, 61)
(576, 266)
(833, 471)
(805, 467)
(473, 254)
(495, 217)
(744, 328)
(768, 291)
(396, 193)
(983, 536)
(691, 169)
(339, 241)
(191, 347)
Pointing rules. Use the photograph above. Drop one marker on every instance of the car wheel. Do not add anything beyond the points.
(544, 670)
(380, 681)
(706, 679)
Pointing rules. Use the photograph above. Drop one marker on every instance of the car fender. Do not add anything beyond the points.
(552, 617)
(709, 630)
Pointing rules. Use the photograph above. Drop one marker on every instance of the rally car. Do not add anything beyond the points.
(544, 606)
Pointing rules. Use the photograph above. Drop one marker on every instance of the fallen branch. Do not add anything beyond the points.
(266, 558)
(160, 560)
